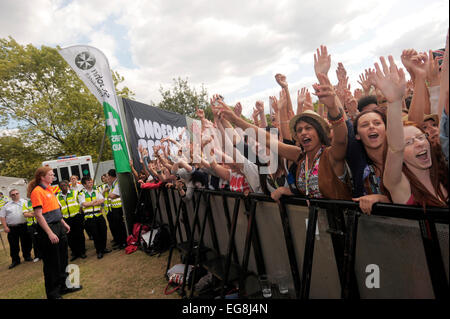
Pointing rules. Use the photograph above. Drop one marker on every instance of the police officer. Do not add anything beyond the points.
(52, 233)
(15, 226)
(118, 225)
(70, 209)
(91, 201)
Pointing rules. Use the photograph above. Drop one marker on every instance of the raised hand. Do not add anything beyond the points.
(433, 75)
(281, 80)
(200, 113)
(255, 116)
(322, 61)
(391, 80)
(238, 109)
(325, 93)
(419, 65)
(358, 94)
(274, 104)
(365, 81)
(282, 102)
(260, 107)
(351, 103)
(301, 96)
(341, 74)
(308, 105)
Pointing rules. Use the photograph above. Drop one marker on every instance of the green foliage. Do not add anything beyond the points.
(54, 111)
(183, 99)
(17, 159)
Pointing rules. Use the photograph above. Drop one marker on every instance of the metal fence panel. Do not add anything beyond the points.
(395, 246)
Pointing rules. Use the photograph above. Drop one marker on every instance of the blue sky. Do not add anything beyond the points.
(231, 47)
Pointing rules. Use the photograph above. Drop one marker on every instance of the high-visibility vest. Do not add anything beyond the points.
(28, 208)
(69, 205)
(89, 211)
(4, 200)
(117, 202)
(55, 189)
(106, 204)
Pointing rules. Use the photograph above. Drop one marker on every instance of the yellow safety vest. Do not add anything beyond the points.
(69, 205)
(4, 200)
(89, 211)
(28, 208)
(106, 204)
(117, 202)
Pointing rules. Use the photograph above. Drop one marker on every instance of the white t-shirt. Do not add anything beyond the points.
(13, 213)
(251, 173)
(116, 189)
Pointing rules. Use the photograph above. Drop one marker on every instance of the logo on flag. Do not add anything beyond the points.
(84, 61)
(92, 67)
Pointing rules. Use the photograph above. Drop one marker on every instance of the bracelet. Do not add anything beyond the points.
(337, 122)
(333, 119)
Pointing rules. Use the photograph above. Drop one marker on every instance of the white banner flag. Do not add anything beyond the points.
(92, 67)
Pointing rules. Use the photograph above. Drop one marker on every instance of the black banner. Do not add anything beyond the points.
(147, 125)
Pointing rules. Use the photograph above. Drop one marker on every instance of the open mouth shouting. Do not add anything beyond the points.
(306, 141)
(423, 156)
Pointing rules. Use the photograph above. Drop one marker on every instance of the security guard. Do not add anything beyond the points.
(116, 211)
(28, 213)
(52, 233)
(91, 201)
(70, 209)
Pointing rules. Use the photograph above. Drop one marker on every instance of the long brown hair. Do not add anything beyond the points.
(40, 172)
(382, 115)
(438, 176)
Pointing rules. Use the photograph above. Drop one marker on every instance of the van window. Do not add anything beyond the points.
(75, 171)
(64, 171)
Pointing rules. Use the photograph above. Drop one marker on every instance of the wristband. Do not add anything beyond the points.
(333, 119)
(337, 122)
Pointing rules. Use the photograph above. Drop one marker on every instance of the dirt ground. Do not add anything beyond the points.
(115, 276)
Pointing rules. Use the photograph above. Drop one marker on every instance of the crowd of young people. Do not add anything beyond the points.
(384, 142)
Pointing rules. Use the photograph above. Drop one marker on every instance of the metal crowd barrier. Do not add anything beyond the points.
(327, 248)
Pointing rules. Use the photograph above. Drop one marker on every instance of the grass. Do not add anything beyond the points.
(115, 276)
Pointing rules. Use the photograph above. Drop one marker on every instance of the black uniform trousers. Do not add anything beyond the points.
(118, 226)
(55, 258)
(97, 227)
(77, 241)
(19, 233)
(111, 226)
(32, 230)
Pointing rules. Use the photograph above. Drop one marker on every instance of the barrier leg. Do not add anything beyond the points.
(231, 246)
(290, 248)
(197, 254)
(348, 263)
(248, 243)
(434, 259)
(309, 252)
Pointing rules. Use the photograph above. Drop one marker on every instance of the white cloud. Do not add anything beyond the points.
(233, 47)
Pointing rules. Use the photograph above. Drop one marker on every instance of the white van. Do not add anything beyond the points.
(66, 166)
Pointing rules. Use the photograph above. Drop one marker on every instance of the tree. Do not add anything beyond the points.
(54, 111)
(183, 99)
(17, 159)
